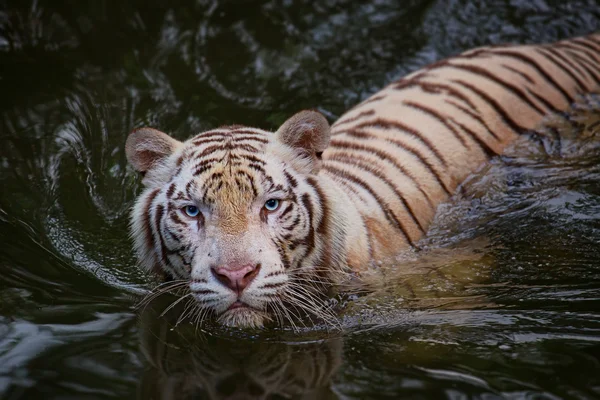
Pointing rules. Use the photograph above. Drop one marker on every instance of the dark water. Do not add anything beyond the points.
(514, 312)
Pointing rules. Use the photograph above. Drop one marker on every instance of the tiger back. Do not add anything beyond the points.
(406, 149)
(259, 225)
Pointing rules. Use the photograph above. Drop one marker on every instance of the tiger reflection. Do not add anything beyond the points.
(184, 363)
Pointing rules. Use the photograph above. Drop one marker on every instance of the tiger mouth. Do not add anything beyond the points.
(238, 304)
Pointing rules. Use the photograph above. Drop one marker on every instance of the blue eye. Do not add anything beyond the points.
(192, 211)
(272, 204)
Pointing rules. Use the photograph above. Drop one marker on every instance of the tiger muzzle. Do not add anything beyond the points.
(236, 278)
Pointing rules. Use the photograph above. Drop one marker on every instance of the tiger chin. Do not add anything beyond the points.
(257, 227)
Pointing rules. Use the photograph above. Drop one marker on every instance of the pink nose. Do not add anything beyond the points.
(236, 278)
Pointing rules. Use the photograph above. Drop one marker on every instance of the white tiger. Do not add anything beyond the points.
(259, 225)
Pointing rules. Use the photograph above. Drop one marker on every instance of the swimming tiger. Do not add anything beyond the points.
(258, 226)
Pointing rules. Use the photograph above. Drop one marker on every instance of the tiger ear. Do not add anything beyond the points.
(307, 131)
(147, 147)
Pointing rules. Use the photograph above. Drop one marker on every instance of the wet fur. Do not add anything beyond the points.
(358, 192)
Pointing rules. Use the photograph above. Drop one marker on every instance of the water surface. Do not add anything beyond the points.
(508, 305)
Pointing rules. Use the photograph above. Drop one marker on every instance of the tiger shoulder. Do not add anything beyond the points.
(259, 225)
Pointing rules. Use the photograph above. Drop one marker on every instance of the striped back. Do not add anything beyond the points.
(405, 149)
(258, 226)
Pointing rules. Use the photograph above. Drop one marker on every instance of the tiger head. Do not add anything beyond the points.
(239, 216)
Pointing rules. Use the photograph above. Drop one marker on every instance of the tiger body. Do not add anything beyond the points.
(258, 225)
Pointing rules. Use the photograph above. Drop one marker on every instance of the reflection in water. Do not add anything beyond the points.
(186, 363)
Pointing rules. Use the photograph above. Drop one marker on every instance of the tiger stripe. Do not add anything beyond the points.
(344, 196)
(458, 98)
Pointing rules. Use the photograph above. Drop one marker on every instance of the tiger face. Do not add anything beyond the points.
(238, 215)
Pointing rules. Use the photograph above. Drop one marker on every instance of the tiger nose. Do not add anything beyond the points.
(236, 278)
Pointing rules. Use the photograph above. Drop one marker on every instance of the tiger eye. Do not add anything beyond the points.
(272, 205)
(192, 211)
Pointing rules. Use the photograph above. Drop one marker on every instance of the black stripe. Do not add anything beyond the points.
(485, 148)
(358, 116)
(147, 224)
(573, 66)
(323, 205)
(310, 240)
(252, 158)
(180, 196)
(289, 208)
(176, 218)
(285, 259)
(543, 73)
(202, 168)
(201, 138)
(351, 188)
(267, 179)
(245, 135)
(476, 117)
(274, 273)
(391, 159)
(506, 118)
(183, 156)
(251, 181)
(521, 73)
(188, 189)
(166, 263)
(203, 291)
(246, 131)
(583, 49)
(402, 84)
(350, 158)
(209, 150)
(202, 160)
(244, 138)
(369, 169)
(171, 190)
(509, 87)
(257, 168)
(435, 115)
(438, 88)
(290, 179)
(160, 210)
(584, 63)
(389, 214)
(388, 125)
(324, 223)
(271, 285)
(560, 66)
(542, 100)
(589, 43)
(295, 222)
(228, 146)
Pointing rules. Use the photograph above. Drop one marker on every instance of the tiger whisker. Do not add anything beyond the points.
(188, 309)
(285, 314)
(162, 289)
(306, 302)
(289, 314)
(316, 309)
(199, 316)
(173, 304)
